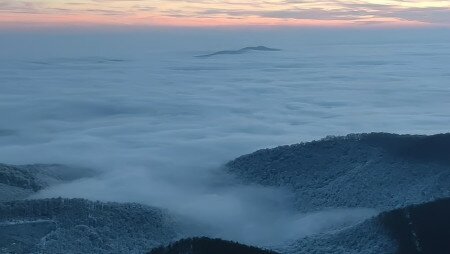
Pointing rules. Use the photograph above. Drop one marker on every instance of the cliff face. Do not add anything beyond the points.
(376, 170)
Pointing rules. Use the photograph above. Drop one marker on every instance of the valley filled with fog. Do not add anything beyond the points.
(158, 124)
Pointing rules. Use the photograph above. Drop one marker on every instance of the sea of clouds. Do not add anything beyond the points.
(157, 123)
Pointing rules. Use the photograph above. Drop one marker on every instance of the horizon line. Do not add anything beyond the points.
(25, 21)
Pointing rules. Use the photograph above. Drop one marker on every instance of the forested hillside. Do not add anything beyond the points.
(376, 170)
(206, 245)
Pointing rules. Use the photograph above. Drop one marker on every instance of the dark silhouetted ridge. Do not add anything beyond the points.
(206, 245)
(240, 51)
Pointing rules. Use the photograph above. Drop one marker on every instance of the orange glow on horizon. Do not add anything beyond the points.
(45, 20)
(210, 13)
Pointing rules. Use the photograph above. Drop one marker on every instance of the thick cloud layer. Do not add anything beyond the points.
(158, 122)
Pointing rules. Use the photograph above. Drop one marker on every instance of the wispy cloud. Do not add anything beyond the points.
(434, 12)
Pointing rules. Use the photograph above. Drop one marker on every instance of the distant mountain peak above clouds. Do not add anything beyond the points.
(240, 51)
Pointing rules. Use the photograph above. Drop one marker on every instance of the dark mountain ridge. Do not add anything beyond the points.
(204, 245)
(240, 51)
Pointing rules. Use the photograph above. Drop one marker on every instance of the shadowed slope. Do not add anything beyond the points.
(417, 229)
(421, 229)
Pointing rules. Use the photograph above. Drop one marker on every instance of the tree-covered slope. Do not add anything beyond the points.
(18, 182)
(81, 226)
(376, 170)
(206, 245)
(416, 229)
(421, 229)
(368, 237)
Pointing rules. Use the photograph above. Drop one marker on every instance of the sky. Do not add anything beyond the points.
(198, 13)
